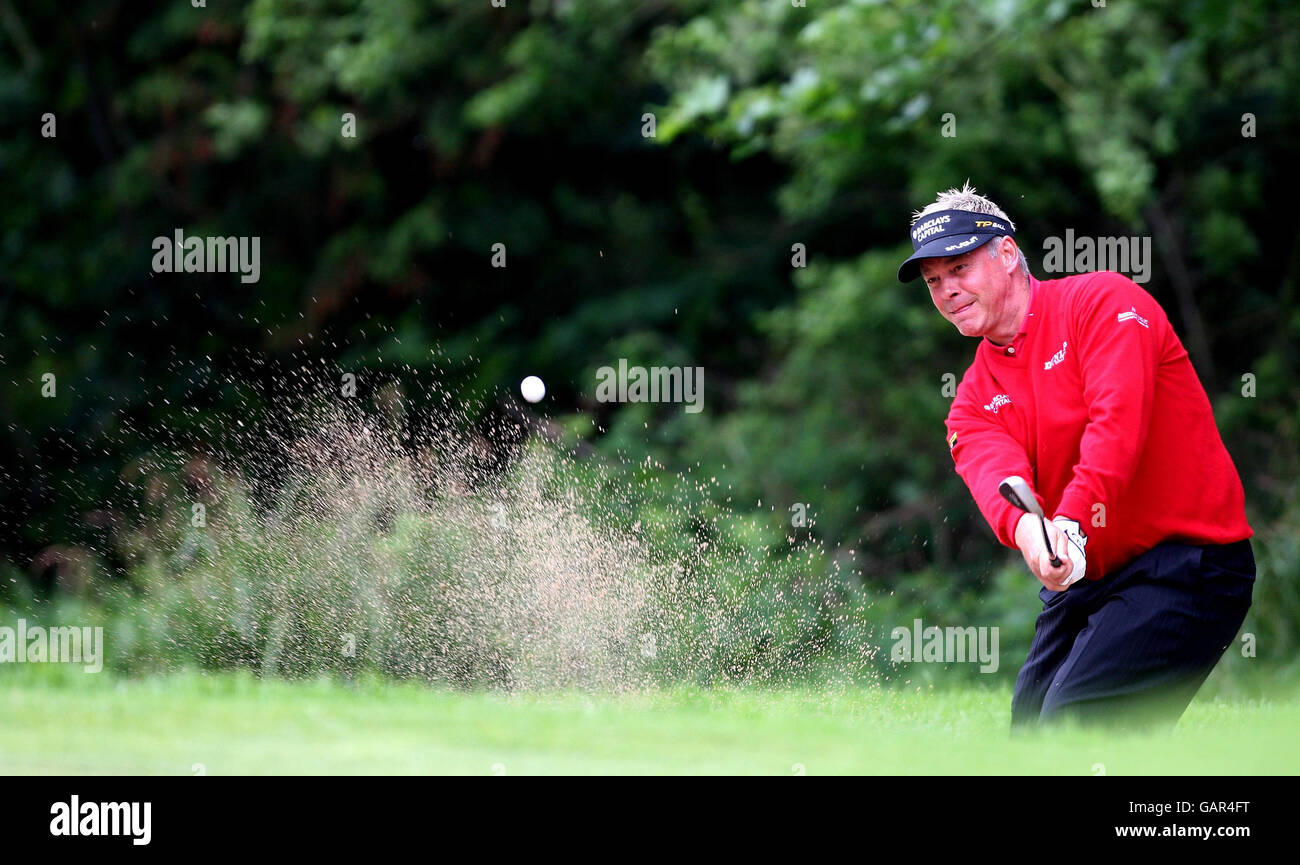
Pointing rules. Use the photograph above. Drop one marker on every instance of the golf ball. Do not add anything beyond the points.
(533, 388)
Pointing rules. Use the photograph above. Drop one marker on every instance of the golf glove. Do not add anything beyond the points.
(1078, 540)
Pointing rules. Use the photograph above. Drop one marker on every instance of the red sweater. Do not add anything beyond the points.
(1096, 404)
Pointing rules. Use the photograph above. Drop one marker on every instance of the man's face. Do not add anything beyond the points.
(974, 290)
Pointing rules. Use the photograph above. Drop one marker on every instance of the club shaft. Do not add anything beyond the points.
(1056, 563)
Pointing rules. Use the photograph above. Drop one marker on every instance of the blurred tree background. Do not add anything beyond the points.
(822, 124)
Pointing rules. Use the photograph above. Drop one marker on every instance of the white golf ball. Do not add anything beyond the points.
(533, 388)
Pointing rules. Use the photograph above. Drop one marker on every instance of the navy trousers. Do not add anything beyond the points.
(1132, 649)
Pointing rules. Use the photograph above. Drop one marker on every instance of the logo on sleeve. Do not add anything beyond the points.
(998, 402)
(1132, 316)
(952, 441)
(1056, 358)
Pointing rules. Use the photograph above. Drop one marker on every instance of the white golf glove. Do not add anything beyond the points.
(1078, 540)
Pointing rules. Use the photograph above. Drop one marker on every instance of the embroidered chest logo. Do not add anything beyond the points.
(998, 402)
(1056, 358)
(1132, 316)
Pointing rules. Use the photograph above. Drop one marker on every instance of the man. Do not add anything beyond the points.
(1080, 386)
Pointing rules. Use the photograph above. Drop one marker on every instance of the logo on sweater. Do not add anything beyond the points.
(998, 402)
(1132, 316)
(1056, 358)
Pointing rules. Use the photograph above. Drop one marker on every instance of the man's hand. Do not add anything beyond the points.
(1029, 538)
(1078, 543)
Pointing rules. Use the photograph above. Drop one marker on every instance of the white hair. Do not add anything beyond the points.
(967, 198)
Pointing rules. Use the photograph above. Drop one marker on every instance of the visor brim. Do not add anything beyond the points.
(937, 248)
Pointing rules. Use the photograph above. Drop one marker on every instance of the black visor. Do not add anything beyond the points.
(950, 232)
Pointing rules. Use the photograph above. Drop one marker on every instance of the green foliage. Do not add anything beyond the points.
(1126, 119)
(821, 125)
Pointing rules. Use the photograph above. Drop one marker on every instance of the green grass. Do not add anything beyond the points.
(236, 724)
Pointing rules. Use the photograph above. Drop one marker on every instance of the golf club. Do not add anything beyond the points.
(1015, 490)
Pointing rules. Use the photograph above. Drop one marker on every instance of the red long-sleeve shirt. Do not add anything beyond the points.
(1097, 405)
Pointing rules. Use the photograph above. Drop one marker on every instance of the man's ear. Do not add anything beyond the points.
(1010, 249)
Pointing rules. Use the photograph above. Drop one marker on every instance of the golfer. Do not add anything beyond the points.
(1081, 387)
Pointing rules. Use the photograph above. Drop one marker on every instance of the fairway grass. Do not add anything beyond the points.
(232, 724)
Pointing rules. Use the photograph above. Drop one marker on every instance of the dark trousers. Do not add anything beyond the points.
(1131, 649)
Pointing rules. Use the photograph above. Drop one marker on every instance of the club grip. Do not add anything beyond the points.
(1056, 562)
